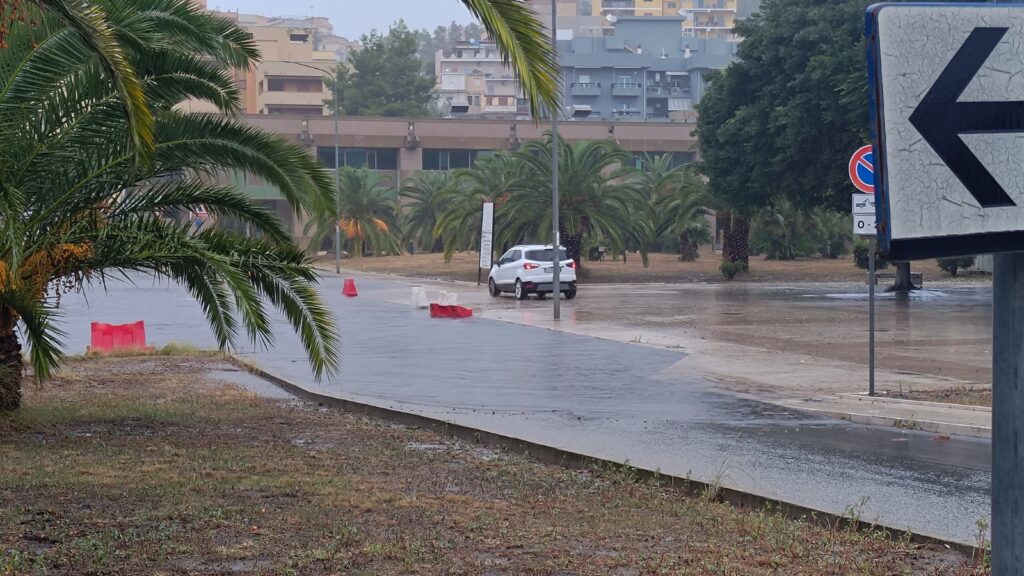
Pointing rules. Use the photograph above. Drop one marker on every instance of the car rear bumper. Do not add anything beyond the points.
(533, 286)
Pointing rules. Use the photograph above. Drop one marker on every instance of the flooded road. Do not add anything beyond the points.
(605, 398)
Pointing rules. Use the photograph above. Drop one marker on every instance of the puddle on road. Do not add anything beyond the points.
(250, 382)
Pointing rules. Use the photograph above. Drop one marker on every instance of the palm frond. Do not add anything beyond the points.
(522, 41)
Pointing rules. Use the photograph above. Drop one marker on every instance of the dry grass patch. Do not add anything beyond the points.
(144, 466)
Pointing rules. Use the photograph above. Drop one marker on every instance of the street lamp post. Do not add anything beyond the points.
(556, 258)
(337, 168)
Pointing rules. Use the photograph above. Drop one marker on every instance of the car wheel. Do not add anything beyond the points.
(520, 292)
(571, 293)
(493, 288)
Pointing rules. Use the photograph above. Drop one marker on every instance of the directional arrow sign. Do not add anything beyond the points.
(947, 104)
(941, 119)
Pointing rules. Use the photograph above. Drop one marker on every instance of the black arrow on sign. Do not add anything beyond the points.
(941, 119)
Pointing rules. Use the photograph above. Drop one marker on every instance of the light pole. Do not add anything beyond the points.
(556, 256)
(337, 168)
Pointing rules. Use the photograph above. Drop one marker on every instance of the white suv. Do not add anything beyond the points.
(529, 269)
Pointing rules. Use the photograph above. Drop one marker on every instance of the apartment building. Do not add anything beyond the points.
(644, 71)
(297, 54)
(473, 80)
(705, 19)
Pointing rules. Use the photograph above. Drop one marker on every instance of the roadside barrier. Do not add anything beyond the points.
(446, 311)
(419, 297)
(350, 288)
(111, 337)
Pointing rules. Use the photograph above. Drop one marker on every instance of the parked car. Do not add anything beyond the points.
(529, 269)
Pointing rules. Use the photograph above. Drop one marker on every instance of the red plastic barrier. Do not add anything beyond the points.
(443, 311)
(350, 288)
(110, 337)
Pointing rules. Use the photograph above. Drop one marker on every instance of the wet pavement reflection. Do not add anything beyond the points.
(606, 398)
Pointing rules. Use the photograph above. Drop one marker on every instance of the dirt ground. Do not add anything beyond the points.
(967, 396)
(144, 466)
(663, 268)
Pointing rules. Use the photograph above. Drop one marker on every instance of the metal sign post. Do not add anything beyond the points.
(864, 225)
(1007, 415)
(946, 122)
(871, 318)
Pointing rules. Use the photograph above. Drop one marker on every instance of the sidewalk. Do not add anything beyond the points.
(800, 381)
(942, 419)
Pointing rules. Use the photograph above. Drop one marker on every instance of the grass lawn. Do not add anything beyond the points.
(144, 465)
(662, 268)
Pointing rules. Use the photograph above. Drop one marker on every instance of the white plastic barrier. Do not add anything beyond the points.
(448, 299)
(419, 297)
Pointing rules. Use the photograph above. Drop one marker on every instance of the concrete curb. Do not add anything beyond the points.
(577, 461)
(902, 423)
(863, 397)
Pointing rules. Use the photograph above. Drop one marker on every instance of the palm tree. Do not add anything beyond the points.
(491, 179)
(678, 198)
(368, 214)
(597, 197)
(423, 192)
(79, 201)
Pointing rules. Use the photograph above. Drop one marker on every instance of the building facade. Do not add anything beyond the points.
(644, 71)
(401, 147)
(704, 19)
(297, 54)
(473, 80)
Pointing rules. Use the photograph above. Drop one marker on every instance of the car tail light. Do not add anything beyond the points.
(530, 266)
(572, 264)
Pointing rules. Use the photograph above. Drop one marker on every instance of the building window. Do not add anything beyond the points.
(372, 158)
(298, 38)
(450, 158)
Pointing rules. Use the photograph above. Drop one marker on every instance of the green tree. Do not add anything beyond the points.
(786, 116)
(77, 205)
(368, 214)
(385, 77)
(597, 197)
(492, 178)
(424, 192)
(678, 199)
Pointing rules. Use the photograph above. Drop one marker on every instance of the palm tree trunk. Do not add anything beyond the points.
(574, 248)
(688, 249)
(11, 371)
(736, 245)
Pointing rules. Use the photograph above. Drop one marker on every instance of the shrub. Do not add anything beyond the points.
(831, 232)
(782, 232)
(731, 269)
(860, 256)
(954, 265)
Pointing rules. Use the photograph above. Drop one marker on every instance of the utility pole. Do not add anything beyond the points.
(556, 257)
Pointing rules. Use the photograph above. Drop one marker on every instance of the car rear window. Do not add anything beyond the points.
(544, 255)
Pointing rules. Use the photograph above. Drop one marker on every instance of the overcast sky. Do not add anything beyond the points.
(352, 18)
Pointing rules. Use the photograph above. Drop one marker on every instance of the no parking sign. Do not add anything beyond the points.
(862, 169)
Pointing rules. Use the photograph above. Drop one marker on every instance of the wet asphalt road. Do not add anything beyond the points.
(598, 397)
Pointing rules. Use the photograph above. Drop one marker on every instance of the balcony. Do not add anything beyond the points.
(668, 90)
(626, 90)
(585, 89)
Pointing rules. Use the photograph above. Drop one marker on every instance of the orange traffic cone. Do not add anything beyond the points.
(350, 288)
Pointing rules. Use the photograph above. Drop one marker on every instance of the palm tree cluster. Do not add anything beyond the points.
(607, 197)
(100, 169)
